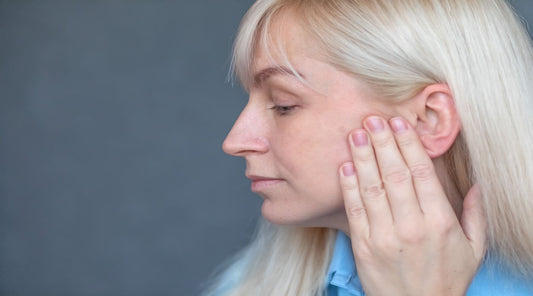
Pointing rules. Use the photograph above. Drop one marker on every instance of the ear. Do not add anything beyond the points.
(438, 123)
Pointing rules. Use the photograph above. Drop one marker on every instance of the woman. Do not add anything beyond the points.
(391, 143)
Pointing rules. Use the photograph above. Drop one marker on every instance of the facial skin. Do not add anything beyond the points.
(295, 132)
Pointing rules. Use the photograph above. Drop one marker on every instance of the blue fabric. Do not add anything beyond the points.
(342, 279)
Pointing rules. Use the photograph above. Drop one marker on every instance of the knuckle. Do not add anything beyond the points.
(367, 156)
(384, 141)
(356, 211)
(421, 171)
(386, 246)
(443, 224)
(396, 175)
(374, 191)
(405, 140)
(349, 185)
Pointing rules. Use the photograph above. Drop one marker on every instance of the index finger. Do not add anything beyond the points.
(429, 191)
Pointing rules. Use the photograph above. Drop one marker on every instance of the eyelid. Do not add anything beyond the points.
(284, 102)
(282, 94)
(283, 109)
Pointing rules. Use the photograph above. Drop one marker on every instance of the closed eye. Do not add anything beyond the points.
(283, 110)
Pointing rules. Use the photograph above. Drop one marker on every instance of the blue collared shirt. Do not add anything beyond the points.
(342, 279)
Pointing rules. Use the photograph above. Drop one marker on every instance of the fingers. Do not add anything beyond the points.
(430, 194)
(355, 209)
(371, 188)
(393, 169)
(395, 181)
(402, 226)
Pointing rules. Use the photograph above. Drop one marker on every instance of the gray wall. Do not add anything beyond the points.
(112, 114)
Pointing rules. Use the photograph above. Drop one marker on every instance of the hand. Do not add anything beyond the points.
(406, 238)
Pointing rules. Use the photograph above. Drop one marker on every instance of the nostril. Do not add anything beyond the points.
(261, 144)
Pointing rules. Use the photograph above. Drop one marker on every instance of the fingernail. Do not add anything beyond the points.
(398, 125)
(348, 169)
(375, 124)
(359, 138)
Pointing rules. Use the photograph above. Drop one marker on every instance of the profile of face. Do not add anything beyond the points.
(293, 133)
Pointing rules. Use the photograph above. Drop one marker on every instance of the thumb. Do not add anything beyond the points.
(474, 221)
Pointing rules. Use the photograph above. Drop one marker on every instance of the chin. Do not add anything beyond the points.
(301, 217)
(277, 216)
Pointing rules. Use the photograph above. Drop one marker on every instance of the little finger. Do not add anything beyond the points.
(355, 209)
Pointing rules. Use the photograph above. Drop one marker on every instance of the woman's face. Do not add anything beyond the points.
(293, 135)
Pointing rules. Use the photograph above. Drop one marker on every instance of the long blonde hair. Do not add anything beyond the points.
(479, 48)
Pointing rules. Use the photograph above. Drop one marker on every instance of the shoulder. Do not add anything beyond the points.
(494, 279)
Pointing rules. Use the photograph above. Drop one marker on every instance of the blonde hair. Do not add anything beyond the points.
(479, 49)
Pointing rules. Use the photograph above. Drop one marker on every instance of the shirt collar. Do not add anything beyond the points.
(342, 272)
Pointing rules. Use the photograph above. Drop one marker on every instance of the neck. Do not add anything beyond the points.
(449, 186)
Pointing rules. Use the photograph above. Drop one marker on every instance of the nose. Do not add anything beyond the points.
(248, 134)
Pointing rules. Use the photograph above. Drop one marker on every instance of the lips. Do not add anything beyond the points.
(260, 183)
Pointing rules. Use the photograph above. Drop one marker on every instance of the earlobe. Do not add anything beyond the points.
(438, 122)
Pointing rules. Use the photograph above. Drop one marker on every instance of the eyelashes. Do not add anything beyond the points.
(283, 110)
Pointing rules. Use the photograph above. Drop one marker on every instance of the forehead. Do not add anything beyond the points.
(284, 41)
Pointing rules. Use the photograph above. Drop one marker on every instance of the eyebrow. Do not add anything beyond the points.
(261, 76)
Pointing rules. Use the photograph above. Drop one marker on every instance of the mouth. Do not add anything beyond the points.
(260, 183)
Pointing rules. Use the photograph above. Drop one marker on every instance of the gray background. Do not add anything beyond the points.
(112, 115)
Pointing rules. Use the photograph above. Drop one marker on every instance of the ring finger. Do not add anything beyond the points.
(372, 192)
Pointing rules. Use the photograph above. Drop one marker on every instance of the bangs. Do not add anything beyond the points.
(256, 30)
